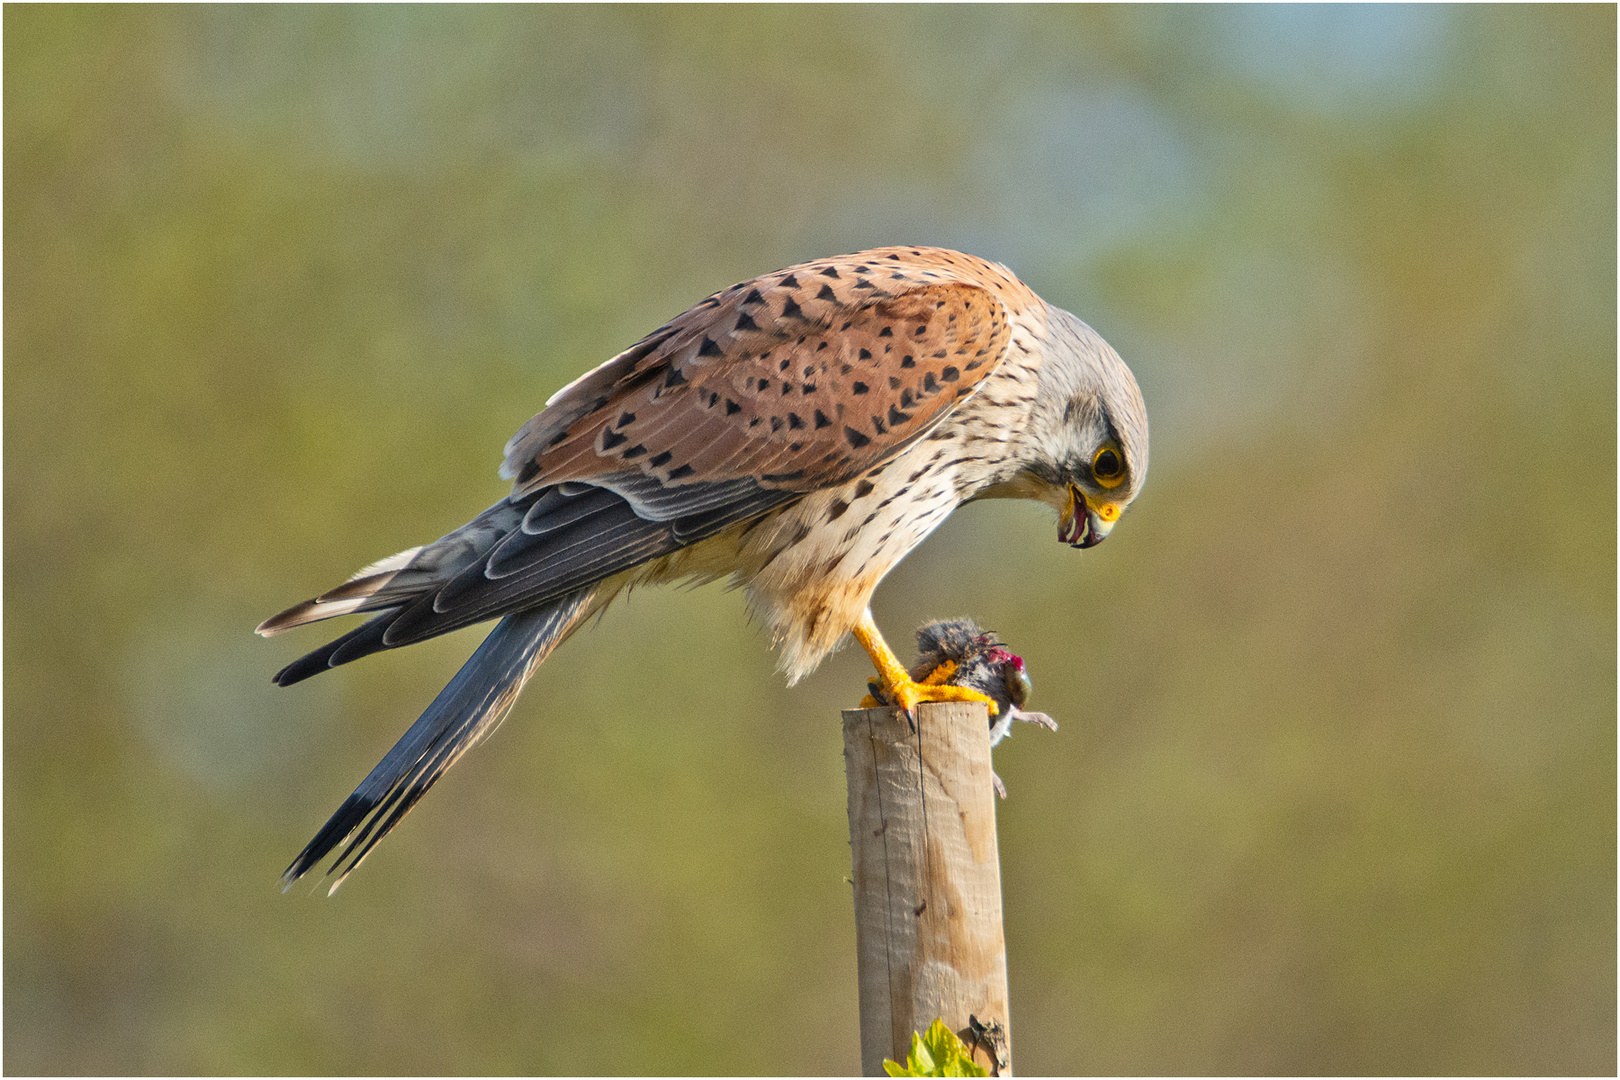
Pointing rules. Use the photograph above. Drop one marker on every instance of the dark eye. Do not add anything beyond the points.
(1107, 467)
(1018, 684)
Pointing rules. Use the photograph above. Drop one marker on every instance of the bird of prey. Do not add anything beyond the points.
(797, 433)
(955, 652)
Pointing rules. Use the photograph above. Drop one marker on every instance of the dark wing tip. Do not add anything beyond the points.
(363, 640)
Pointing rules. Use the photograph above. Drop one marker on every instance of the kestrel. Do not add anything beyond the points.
(797, 433)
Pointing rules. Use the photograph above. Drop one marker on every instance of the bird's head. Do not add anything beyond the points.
(1086, 448)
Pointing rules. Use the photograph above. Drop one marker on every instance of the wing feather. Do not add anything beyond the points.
(363, 639)
(528, 568)
(799, 379)
(794, 381)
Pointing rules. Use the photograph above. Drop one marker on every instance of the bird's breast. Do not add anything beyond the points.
(811, 568)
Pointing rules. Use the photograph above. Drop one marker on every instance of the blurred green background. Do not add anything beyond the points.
(1335, 788)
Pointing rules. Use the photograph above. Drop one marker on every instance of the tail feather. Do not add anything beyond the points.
(465, 711)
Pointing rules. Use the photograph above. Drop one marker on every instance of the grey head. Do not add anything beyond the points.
(1085, 450)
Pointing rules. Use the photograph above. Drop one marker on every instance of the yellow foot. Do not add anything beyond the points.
(902, 690)
(908, 694)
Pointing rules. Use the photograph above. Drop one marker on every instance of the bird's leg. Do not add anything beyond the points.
(903, 691)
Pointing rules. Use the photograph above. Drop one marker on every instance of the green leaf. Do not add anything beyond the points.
(937, 1053)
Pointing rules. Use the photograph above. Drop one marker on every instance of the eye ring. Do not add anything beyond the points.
(1107, 468)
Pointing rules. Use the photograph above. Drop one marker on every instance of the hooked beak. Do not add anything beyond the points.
(1084, 525)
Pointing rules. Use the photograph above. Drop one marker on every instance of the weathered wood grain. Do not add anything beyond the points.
(922, 820)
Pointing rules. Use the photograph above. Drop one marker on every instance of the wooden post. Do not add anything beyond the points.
(922, 826)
